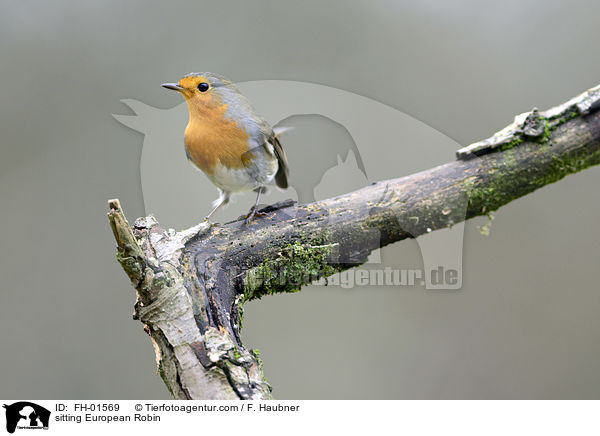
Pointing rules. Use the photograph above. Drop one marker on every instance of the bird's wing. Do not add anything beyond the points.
(269, 135)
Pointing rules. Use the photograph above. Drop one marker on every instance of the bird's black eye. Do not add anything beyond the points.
(203, 87)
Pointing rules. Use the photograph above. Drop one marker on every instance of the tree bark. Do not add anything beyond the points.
(191, 285)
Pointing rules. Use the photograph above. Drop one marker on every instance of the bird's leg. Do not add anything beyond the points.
(217, 207)
(252, 213)
(219, 203)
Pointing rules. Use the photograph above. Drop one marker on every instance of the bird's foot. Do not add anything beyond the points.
(207, 221)
(253, 213)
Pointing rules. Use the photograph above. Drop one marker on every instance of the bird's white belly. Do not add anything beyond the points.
(243, 179)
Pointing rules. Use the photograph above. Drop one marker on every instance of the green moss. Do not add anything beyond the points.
(508, 182)
(559, 120)
(518, 139)
(545, 136)
(256, 355)
(559, 168)
(236, 353)
(484, 230)
(295, 266)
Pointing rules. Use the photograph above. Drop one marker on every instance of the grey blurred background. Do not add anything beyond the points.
(525, 323)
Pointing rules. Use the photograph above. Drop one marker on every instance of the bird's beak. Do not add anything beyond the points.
(174, 86)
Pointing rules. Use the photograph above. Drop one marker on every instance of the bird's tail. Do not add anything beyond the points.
(282, 130)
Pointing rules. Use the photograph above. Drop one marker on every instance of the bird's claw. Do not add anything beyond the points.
(253, 213)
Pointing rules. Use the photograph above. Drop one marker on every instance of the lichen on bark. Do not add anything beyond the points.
(291, 268)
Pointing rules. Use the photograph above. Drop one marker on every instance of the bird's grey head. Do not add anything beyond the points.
(209, 89)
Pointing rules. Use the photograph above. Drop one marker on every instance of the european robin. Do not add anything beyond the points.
(228, 140)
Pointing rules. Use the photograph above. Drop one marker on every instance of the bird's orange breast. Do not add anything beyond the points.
(211, 138)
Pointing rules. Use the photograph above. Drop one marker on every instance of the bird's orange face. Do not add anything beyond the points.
(197, 90)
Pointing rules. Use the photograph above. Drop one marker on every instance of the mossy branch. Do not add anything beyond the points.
(192, 284)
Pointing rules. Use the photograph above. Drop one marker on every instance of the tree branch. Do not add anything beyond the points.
(191, 285)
